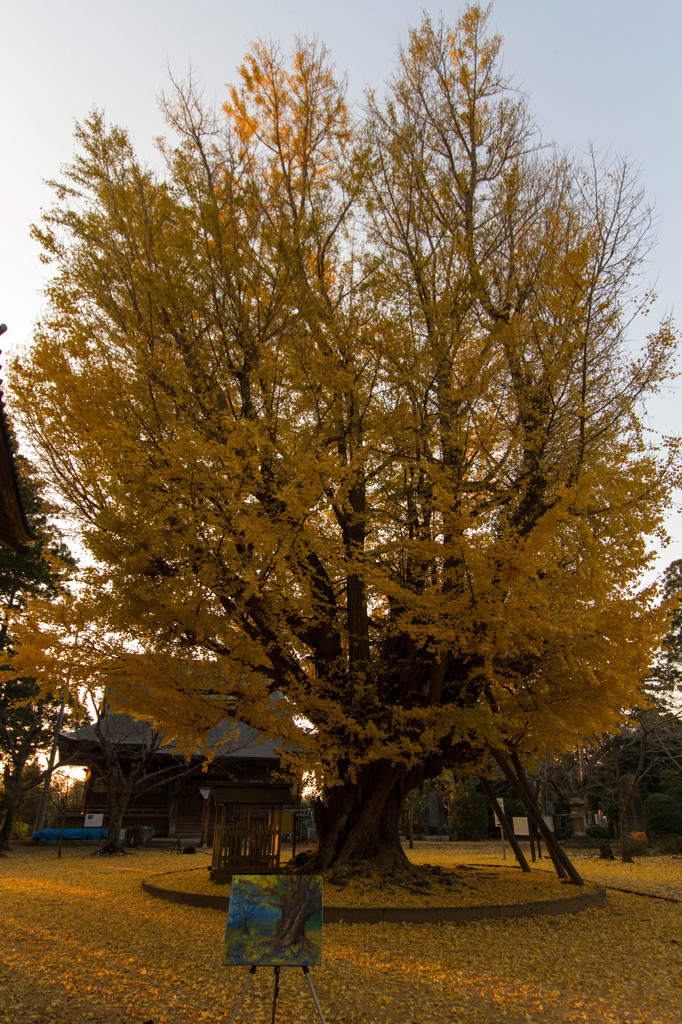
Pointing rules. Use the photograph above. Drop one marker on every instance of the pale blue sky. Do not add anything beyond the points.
(602, 70)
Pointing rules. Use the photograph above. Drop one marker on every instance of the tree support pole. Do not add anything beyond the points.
(564, 867)
(535, 837)
(523, 796)
(504, 821)
(553, 846)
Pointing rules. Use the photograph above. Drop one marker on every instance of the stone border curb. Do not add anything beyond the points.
(410, 915)
(189, 899)
(646, 895)
(463, 915)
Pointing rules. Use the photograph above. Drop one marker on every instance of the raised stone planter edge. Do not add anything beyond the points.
(595, 897)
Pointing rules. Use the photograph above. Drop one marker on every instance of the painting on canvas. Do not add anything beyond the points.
(274, 920)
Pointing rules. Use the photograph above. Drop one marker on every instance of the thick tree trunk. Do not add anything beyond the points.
(361, 821)
(15, 800)
(120, 789)
(118, 800)
(623, 808)
(291, 930)
(112, 843)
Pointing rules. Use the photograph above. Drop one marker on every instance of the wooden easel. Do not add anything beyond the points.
(252, 971)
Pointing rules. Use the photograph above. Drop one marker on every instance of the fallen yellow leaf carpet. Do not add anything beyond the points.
(81, 942)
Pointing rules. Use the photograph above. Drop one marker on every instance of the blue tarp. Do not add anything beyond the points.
(48, 835)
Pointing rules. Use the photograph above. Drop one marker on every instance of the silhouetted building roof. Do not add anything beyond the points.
(227, 739)
(14, 529)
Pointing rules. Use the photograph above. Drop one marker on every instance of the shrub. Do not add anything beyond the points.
(639, 847)
(513, 808)
(20, 830)
(663, 814)
(670, 844)
(670, 783)
(469, 810)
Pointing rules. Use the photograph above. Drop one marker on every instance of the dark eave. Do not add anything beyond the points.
(14, 529)
(228, 740)
(253, 794)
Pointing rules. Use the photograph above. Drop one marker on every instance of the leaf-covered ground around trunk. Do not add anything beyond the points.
(438, 885)
(80, 941)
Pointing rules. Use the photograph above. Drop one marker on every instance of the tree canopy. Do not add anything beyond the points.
(344, 405)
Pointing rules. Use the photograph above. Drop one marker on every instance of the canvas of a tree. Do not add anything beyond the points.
(274, 920)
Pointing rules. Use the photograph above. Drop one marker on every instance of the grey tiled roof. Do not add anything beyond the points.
(227, 739)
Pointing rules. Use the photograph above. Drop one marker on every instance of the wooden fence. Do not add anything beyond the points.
(246, 850)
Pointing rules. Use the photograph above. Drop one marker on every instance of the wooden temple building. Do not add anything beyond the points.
(14, 528)
(238, 793)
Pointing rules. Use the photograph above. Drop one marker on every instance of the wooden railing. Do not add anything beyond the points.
(243, 850)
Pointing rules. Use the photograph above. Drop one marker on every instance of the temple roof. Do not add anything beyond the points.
(14, 529)
(229, 738)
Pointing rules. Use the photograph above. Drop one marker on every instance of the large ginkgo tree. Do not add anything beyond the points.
(344, 405)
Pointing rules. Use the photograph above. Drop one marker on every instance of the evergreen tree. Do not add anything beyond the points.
(665, 682)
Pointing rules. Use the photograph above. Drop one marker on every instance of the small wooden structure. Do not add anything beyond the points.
(248, 826)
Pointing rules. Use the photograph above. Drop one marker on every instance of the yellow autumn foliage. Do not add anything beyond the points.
(349, 412)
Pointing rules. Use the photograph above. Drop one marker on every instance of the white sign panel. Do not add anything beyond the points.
(521, 827)
(93, 820)
(498, 823)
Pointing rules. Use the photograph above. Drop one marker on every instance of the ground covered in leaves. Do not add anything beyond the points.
(448, 884)
(80, 941)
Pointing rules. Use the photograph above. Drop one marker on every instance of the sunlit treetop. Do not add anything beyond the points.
(348, 404)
